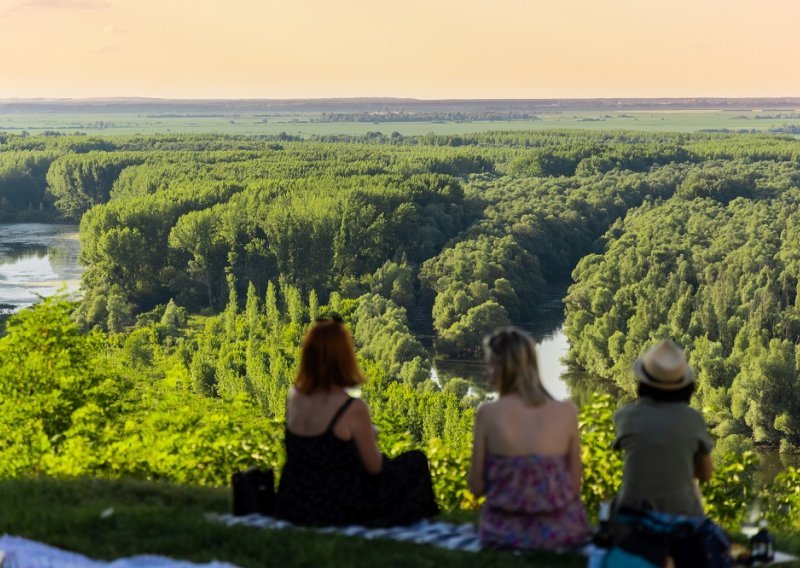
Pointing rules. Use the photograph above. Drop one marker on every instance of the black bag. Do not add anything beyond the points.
(253, 492)
(708, 546)
(651, 536)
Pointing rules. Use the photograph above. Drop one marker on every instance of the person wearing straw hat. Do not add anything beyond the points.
(666, 444)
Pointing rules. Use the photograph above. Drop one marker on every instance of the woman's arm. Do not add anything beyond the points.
(574, 451)
(703, 467)
(475, 480)
(364, 436)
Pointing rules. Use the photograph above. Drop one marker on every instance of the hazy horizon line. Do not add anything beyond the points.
(395, 98)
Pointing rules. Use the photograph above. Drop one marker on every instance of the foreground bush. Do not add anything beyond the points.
(781, 500)
(73, 406)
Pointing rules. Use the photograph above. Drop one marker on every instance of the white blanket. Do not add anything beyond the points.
(441, 534)
(22, 553)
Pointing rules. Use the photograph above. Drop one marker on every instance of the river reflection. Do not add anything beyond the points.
(549, 350)
(37, 260)
(552, 345)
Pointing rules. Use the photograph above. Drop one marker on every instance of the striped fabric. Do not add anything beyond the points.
(450, 536)
(443, 535)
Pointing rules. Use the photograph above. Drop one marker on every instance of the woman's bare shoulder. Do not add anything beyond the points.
(358, 405)
(564, 408)
(486, 409)
(358, 410)
(567, 406)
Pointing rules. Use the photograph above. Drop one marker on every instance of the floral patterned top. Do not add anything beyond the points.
(530, 503)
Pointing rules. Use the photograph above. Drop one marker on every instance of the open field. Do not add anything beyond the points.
(309, 124)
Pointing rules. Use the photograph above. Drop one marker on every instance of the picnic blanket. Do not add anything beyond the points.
(450, 536)
(17, 552)
(444, 535)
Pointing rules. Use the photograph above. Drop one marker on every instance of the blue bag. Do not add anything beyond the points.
(621, 558)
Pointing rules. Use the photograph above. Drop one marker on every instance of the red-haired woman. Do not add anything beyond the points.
(334, 472)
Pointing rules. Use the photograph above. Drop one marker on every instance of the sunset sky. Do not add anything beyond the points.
(415, 48)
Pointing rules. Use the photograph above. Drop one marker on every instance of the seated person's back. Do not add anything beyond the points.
(513, 428)
(334, 473)
(333, 414)
(666, 449)
(311, 414)
(665, 442)
(526, 455)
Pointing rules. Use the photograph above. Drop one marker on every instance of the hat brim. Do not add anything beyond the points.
(643, 377)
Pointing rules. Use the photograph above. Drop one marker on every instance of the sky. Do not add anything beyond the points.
(425, 49)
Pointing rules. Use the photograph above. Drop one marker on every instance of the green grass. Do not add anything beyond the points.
(157, 518)
(160, 518)
(790, 544)
(305, 125)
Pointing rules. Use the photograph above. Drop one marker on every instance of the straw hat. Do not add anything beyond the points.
(664, 367)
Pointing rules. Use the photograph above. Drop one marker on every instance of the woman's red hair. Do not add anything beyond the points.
(328, 359)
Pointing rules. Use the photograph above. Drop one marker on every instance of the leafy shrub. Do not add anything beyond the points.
(781, 500)
(731, 490)
(602, 465)
(52, 378)
(449, 468)
(73, 407)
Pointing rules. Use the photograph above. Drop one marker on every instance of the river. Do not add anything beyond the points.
(552, 345)
(549, 351)
(37, 260)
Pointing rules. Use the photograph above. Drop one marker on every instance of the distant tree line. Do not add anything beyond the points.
(410, 116)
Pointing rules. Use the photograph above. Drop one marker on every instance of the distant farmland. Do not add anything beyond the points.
(357, 117)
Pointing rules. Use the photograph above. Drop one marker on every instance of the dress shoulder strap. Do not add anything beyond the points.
(339, 413)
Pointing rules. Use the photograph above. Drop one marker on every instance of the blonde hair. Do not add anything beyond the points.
(514, 351)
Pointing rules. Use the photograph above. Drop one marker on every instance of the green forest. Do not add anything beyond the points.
(207, 257)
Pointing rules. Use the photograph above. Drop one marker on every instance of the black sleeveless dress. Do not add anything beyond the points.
(324, 483)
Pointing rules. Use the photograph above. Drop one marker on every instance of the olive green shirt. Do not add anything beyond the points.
(660, 441)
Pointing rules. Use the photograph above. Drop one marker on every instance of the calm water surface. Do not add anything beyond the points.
(551, 346)
(37, 260)
(549, 350)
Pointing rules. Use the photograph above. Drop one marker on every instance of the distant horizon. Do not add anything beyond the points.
(400, 98)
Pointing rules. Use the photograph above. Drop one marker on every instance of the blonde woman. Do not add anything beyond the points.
(525, 454)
